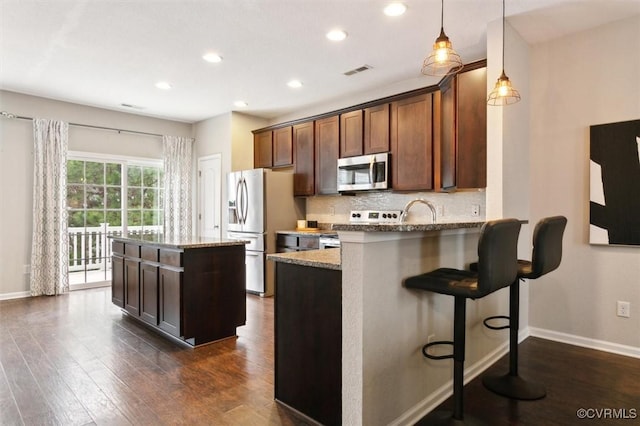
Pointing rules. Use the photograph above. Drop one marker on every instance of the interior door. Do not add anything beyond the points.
(210, 195)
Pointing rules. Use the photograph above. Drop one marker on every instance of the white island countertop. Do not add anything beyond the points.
(176, 243)
(404, 227)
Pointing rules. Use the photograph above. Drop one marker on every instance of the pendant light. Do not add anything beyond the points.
(503, 93)
(443, 59)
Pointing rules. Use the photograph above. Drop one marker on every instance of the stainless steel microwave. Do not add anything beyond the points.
(363, 173)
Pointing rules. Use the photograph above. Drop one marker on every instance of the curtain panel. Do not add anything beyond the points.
(49, 248)
(177, 153)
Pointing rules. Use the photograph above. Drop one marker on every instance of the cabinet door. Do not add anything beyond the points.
(149, 293)
(447, 140)
(327, 148)
(376, 129)
(263, 149)
(351, 130)
(303, 151)
(283, 147)
(412, 143)
(117, 281)
(472, 129)
(170, 301)
(132, 286)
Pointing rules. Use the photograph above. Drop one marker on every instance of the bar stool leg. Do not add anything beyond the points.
(512, 385)
(457, 417)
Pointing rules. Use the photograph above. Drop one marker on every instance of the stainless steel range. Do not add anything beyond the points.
(375, 216)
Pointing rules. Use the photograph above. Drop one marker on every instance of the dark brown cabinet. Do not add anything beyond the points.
(327, 152)
(471, 126)
(195, 294)
(308, 341)
(445, 136)
(283, 147)
(412, 143)
(263, 149)
(303, 153)
(376, 129)
(351, 133)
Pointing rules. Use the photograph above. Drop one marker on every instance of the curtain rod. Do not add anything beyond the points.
(89, 126)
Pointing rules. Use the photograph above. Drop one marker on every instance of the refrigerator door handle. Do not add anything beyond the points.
(239, 200)
(246, 203)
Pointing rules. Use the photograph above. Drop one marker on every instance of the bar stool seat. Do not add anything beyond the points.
(546, 256)
(497, 268)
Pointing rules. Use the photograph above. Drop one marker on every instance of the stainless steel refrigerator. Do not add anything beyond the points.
(261, 202)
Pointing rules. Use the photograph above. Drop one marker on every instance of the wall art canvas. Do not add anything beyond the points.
(614, 208)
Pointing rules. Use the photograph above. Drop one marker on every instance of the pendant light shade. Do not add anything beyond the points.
(443, 59)
(503, 92)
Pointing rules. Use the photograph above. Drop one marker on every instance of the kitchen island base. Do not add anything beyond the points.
(192, 292)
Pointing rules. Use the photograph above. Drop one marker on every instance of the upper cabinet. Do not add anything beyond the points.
(412, 143)
(327, 149)
(472, 129)
(283, 146)
(263, 149)
(351, 133)
(461, 149)
(376, 129)
(303, 159)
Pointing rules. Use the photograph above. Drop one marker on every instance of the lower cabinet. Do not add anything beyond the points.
(308, 341)
(196, 294)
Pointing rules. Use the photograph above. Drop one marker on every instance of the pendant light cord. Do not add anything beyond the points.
(442, 15)
(503, 36)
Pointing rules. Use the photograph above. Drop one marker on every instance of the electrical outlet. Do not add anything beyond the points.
(440, 210)
(27, 269)
(624, 309)
(475, 210)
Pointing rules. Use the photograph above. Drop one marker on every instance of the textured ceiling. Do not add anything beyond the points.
(106, 53)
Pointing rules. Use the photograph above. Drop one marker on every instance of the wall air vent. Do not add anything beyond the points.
(358, 70)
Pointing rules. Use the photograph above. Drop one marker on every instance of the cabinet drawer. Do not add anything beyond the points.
(149, 253)
(117, 247)
(132, 250)
(171, 257)
(287, 240)
(309, 242)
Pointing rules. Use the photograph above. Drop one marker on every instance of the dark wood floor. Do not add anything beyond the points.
(76, 360)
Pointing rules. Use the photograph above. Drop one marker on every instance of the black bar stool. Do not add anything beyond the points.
(545, 257)
(497, 268)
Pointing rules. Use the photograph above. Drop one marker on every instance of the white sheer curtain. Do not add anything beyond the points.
(49, 248)
(177, 152)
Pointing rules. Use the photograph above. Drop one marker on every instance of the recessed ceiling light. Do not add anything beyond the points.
(336, 35)
(163, 85)
(294, 84)
(214, 58)
(395, 9)
(241, 104)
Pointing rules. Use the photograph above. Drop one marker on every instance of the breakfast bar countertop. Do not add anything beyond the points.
(177, 243)
(327, 258)
(404, 227)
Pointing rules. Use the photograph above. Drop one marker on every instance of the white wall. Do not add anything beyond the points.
(16, 165)
(578, 81)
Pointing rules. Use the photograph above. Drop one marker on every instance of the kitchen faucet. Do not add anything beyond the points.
(405, 211)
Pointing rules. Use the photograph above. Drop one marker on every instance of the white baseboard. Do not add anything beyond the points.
(601, 345)
(15, 295)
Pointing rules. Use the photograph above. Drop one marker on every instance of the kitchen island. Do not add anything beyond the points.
(190, 290)
(308, 341)
(385, 377)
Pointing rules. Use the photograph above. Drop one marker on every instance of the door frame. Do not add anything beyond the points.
(199, 212)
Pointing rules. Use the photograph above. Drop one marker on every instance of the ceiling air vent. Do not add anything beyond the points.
(357, 70)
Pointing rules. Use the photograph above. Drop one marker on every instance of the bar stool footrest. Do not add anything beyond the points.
(426, 347)
(496, 317)
(514, 387)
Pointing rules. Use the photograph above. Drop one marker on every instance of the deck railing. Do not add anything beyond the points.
(89, 248)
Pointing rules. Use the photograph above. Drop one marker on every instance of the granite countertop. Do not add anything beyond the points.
(404, 227)
(318, 232)
(327, 259)
(177, 243)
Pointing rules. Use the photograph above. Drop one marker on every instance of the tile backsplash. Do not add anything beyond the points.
(451, 207)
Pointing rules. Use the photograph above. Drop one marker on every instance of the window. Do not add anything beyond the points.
(108, 197)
